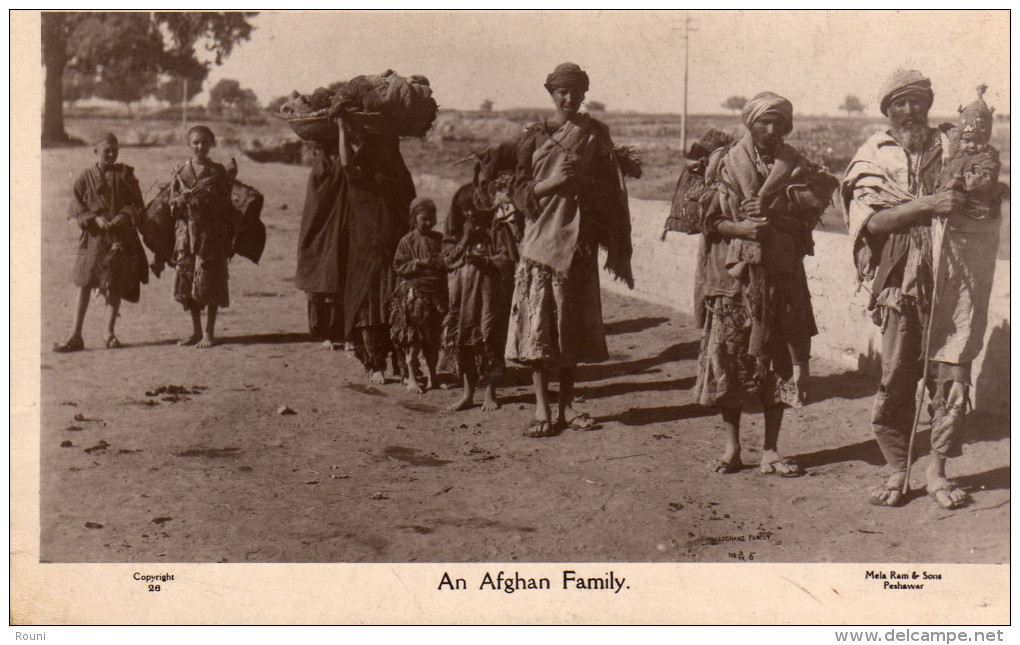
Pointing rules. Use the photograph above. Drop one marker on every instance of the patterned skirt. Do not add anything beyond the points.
(728, 376)
(555, 321)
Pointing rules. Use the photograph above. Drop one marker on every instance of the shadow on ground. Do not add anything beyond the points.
(634, 325)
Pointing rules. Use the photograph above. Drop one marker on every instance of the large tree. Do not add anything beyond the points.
(121, 47)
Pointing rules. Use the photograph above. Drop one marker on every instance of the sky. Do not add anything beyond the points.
(634, 59)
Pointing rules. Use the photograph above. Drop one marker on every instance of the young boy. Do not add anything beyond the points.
(419, 301)
(106, 203)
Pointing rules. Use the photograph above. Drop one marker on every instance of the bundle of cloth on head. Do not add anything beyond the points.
(387, 103)
(901, 82)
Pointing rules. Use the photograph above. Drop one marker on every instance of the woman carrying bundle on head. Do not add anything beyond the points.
(570, 187)
(379, 191)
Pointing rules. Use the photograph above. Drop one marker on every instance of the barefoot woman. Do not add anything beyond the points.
(571, 190)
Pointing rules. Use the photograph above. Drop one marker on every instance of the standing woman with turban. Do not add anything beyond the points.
(752, 293)
(571, 190)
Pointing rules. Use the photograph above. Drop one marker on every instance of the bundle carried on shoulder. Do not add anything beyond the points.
(387, 103)
(693, 195)
(157, 224)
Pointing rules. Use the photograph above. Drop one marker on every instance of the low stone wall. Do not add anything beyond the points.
(664, 274)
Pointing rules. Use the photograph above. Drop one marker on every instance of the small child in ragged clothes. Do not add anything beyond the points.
(974, 165)
(966, 246)
(419, 302)
(483, 234)
(106, 203)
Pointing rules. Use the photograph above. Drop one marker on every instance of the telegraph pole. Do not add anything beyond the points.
(184, 103)
(683, 117)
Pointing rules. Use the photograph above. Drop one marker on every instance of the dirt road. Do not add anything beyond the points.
(211, 473)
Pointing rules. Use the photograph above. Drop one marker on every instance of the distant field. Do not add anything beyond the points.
(827, 140)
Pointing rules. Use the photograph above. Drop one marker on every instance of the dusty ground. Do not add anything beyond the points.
(367, 474)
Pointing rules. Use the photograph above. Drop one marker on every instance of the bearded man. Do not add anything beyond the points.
(891, 193)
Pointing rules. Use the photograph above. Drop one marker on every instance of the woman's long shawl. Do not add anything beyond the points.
(740, 176)
(322, 242)
(593, 207)
(379, 194)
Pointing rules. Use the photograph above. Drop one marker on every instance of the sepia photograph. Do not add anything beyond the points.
(481, 293)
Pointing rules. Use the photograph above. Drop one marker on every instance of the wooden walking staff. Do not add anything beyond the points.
(939, 229)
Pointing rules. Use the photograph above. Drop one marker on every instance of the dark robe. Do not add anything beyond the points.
(112, 261)
(322, 245)
(379, 195)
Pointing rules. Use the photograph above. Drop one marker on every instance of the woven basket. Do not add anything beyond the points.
(314, 126)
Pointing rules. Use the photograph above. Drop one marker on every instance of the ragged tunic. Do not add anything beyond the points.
(418, 304)
(481, 284)
(899, 269)
(203, 235)
(112, 261)
(754, 304)
(556, 312)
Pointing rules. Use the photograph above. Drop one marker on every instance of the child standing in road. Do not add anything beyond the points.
(419, 301)
(200, 203)
(106, 203)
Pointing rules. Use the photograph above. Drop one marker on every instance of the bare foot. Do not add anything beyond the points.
(348, 346)
(327, 346)
(377, 377)
(491, 402)
(891, 493)
(463, 403)
(413, 386)
(205, 343)
(191, 340)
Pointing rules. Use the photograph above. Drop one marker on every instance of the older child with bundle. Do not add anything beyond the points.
(200, 203)
(419, 301)
(106, 203)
